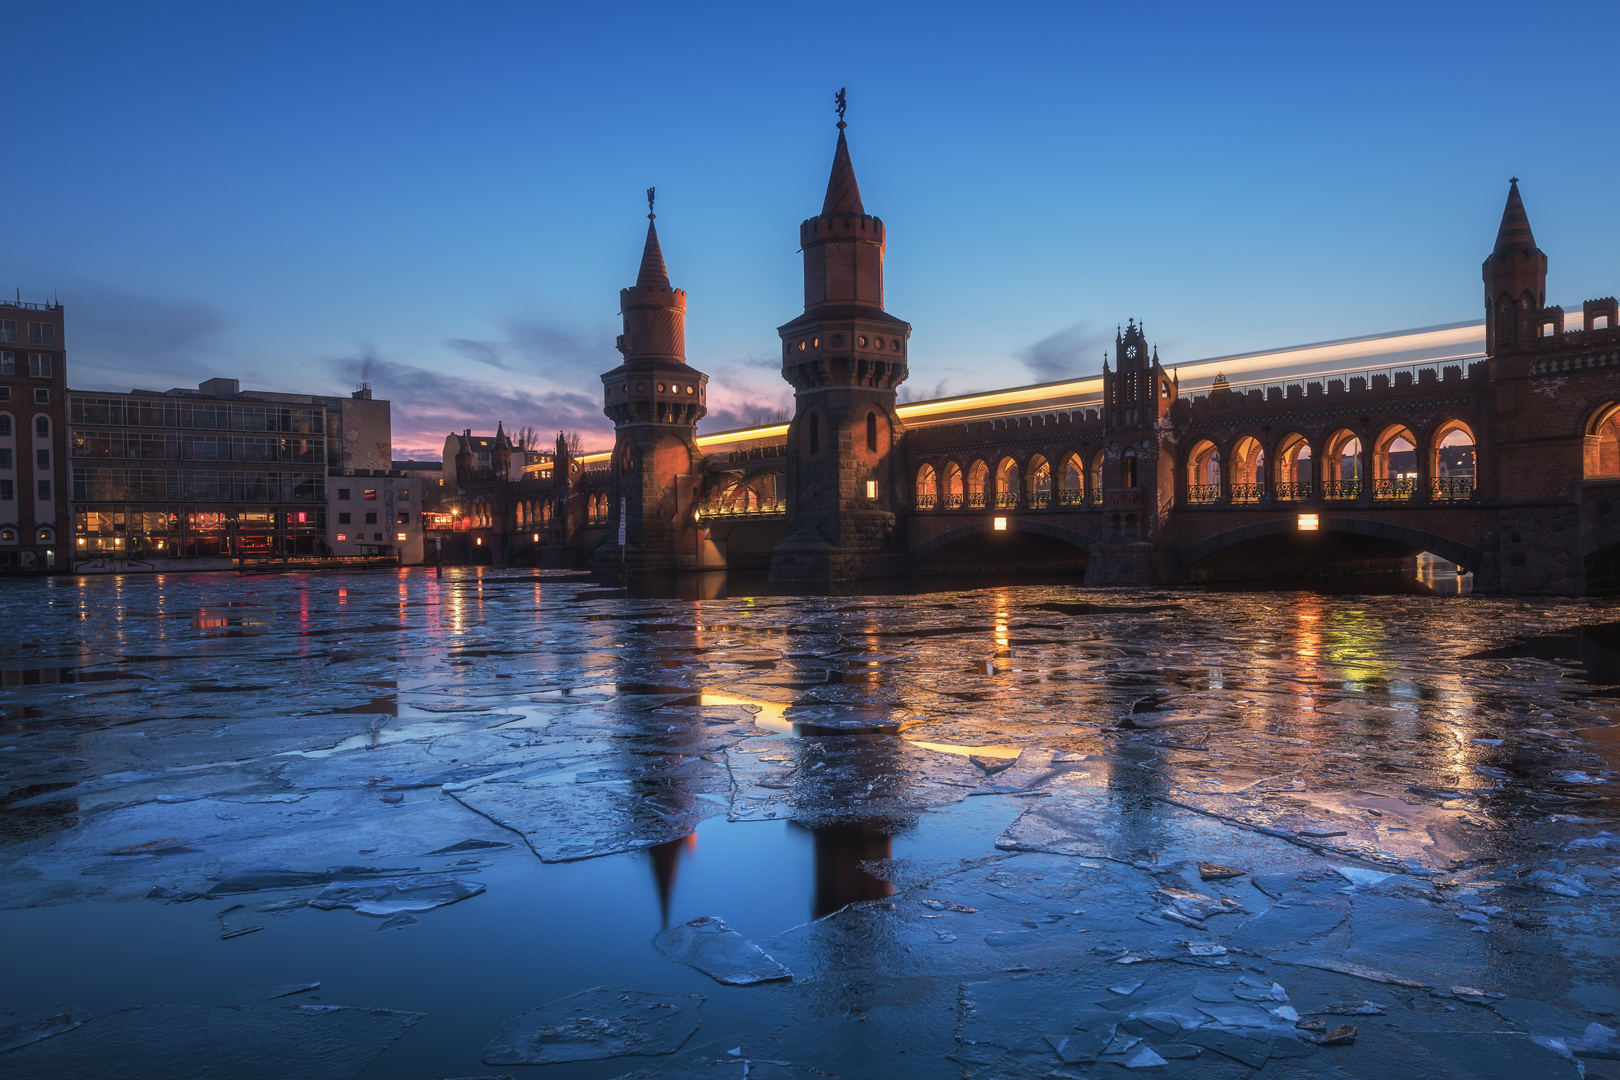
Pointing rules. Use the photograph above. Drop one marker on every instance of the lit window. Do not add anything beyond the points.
(343, 536)
(371, 493)
(300, 517)
(871, 489)
(400, 536)
(1308, 523)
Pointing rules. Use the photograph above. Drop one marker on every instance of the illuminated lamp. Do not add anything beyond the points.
(1309, 523)
(871, 489)
(400, 536)
(537, 538)
(999, 524)
(479, 541)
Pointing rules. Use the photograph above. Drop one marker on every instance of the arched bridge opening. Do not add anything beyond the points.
(1356, 554)
(1017, 548)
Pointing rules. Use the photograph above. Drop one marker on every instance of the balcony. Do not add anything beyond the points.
(1006, 500)
(975, 499)
(1291, 491)
(1247, 493)
(1341, 489)
(927, 502)
(951, 501)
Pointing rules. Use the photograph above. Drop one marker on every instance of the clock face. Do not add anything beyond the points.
(1130, 351)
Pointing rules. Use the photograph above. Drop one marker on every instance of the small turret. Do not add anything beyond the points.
(1515, 275)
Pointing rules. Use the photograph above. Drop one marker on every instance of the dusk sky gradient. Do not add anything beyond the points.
(446, 199)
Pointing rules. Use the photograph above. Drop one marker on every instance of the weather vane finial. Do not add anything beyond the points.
(841, 104)
(650, 193)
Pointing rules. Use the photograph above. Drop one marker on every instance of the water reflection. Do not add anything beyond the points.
(841, 852)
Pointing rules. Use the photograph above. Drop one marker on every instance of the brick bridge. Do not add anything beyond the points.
(1495, 447)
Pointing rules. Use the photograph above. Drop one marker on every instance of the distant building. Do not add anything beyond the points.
(33, 439)
(485, 452)
(376, 515)
(193, 478)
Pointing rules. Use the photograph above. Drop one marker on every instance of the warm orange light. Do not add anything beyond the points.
(1308, 523)
(999, 524)
(537, 538)
(400, 535)
(479, 541)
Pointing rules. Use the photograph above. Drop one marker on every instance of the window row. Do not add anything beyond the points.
(39, 333)
(166, 412)
(42, 396)
(39, 364)
(141, 446)
(42, 459)
(1339, 466)
(371, 518)
(195, 485)
(1076, 483)
(42, 490)
(132, 532)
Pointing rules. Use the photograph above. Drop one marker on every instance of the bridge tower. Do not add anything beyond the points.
(1138, 475)
(844, 358)
(655, 400)
(1515, 276)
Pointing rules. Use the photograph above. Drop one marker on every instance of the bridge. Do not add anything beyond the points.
(1491, 445)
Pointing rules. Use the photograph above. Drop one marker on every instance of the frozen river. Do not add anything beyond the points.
(503, 823)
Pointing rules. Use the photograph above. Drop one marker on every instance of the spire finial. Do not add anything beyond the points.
(1513, 179)
(840, 103)
(651, 192)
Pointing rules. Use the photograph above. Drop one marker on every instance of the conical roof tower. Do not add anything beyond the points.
(1515, 275)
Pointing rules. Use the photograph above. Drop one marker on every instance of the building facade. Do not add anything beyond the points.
(194, 479)
(376, 514)
(34, 518)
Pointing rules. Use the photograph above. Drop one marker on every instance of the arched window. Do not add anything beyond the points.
(5, 423)
(1394, 464)
(1007, 483)
(1203, 473)
(954, 487)
(1602, 457)
(1341, 471)
(1039, 479)
(871, 433)
(815, 434)
(978, 475)
(1128, 472)
(927, 495)
(1094, 483)
(1248, 470)
(42, 427)
(1293, 479)
(1455, 464)
(1072, 491)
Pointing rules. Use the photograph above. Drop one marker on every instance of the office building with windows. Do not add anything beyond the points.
(376, 514)
(195, 478)
(33, 500)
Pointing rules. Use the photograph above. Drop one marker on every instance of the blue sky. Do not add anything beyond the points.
(445, 199)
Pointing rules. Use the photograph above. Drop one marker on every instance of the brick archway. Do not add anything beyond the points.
(983, 527)
(1462, 554)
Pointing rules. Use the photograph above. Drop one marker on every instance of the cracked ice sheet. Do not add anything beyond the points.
(201, 1042)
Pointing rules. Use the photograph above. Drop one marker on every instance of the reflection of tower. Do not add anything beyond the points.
(666, 863)
(840, 850)
(655, 401)
(844, 357)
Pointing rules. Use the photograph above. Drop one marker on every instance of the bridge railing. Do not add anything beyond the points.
(1247, 493)
(1394, 487)
(1071, 498)
(1341, 489)
(1452, 488)
(1006, 500)
(1203, 494)
(595, 521)
(763, 508)
(951, 501)
(1290, 491)
(927, 500)
(974, 498)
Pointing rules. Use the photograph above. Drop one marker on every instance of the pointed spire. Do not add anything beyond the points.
(500, 432)
(653, 271)
(1515, 228)
(843, 194)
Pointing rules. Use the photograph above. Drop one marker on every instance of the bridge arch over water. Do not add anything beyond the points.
(1390, 533)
